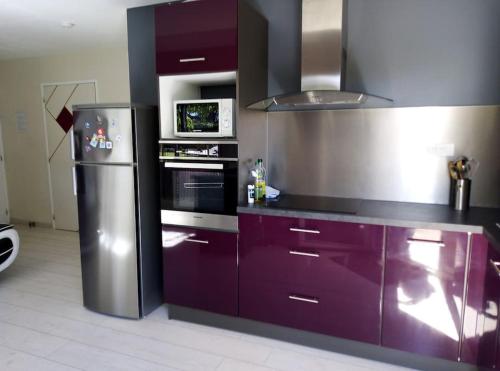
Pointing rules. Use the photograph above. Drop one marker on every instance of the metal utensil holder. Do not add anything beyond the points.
(460, 194)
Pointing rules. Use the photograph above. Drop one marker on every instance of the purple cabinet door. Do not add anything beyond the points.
(488, 320)
(473, 329)
(424, 280)
(198, 36)
(312, 275)
(200, 269)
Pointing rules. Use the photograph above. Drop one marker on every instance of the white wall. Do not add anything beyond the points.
(25, 156)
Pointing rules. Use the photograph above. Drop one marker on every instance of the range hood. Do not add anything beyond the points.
(323, 65)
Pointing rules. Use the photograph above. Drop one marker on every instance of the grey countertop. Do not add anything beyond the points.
(398, 214)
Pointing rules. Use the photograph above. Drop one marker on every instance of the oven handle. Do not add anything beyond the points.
(193, 165)
(204, 185)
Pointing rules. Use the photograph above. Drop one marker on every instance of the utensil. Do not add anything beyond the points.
(460, 165)
(471, 168)
(453, 170)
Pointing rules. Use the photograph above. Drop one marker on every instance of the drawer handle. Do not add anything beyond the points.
(496, 266)
(303, 299)
(189, 60)
(313, 231)
(301, 253)
(425, 242)
(196, 241)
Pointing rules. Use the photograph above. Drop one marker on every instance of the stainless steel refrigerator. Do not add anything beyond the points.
(116, 182)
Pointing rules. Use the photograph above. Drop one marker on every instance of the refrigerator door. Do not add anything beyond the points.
(103, 135)
(106, 211)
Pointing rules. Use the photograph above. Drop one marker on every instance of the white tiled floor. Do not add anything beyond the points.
(43, 326)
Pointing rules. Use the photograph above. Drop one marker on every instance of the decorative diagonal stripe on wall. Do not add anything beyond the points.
(64, 118)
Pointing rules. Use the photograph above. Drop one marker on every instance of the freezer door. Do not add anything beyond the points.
(103, 135)
(106, 211)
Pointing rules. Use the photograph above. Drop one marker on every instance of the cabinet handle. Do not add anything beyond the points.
(425, 242)
(498, 225)
(313, 231)
(303, 299)
(496, 266)
(310, 254)
(196, 241)
(189, 60)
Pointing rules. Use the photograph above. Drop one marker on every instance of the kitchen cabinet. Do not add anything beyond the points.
(312, 275)
(488, 321)
(200, 269)
(473, 349)
(196, 36)
(423, 291)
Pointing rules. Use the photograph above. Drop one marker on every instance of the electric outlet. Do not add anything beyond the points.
(441, 150)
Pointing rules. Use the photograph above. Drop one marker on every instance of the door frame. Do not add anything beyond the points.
(46, 132)
(2, 166)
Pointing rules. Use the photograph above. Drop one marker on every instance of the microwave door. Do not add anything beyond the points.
(197, 118)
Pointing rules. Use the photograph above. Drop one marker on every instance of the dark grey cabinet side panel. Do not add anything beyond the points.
(284, 18)
(148, 207)
(141, 55)
(425, 52)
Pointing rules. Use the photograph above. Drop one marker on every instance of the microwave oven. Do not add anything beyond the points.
(204, 118)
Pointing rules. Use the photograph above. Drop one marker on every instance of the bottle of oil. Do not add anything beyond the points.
(260, 181)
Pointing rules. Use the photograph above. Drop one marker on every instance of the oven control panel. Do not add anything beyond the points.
(198, 150)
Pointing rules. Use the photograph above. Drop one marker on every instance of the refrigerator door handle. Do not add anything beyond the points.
(75, 191)
(72, 145)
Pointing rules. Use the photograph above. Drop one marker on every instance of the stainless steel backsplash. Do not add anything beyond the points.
(381, 154)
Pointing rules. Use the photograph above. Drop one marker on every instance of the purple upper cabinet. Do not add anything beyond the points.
(488, 324)
(313, 275)
(197, 36)
(200, 269)
(424, 282)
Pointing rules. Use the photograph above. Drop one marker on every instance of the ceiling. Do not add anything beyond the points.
(31, 28)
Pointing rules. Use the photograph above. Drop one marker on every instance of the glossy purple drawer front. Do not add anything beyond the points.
(198, 36)
(423, 292)
(316, 310)
(341, 268)
(200, 269)
(311, 233)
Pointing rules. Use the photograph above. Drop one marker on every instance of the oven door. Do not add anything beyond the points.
(200, 193)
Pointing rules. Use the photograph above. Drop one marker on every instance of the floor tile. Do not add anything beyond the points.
(12, 360)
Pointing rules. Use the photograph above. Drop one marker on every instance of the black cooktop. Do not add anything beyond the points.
(318, 204)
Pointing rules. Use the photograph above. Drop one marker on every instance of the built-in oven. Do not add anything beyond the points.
(199, 184)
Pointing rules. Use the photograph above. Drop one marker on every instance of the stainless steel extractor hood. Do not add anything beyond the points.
(322, 65)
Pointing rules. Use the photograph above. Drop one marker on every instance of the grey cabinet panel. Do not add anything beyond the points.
(425, 52)
(141, 55)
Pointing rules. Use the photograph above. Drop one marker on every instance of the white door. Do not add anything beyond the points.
(4, 201)
(58, 100)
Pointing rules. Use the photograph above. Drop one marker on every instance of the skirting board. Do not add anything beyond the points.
(27, 223)
(315, 340)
